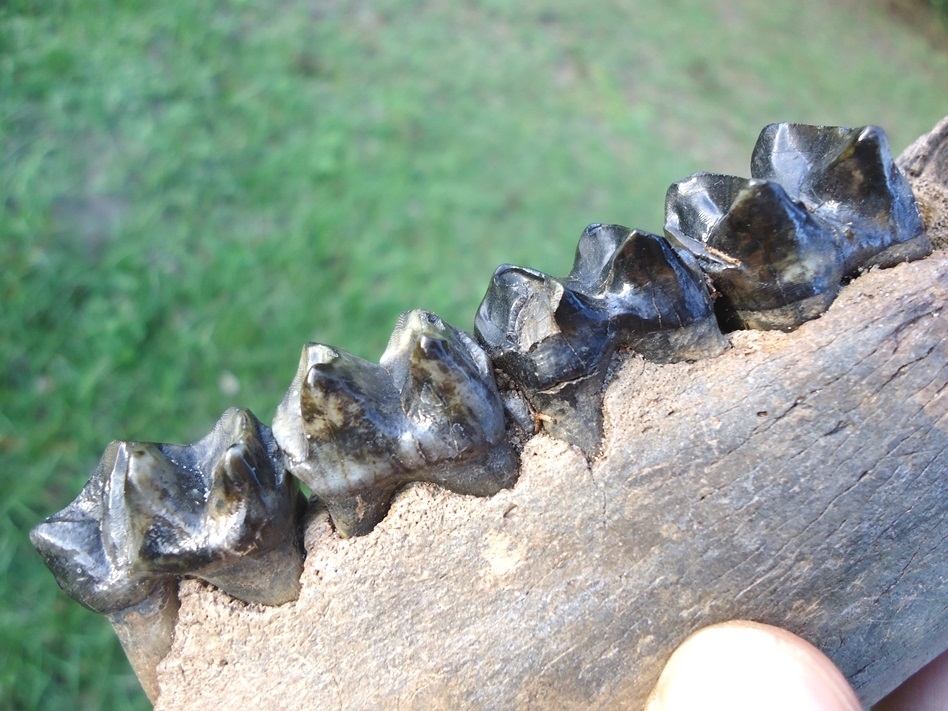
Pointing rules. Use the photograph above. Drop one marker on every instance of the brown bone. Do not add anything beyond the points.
(799, 479)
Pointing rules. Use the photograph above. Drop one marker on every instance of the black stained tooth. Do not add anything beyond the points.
(551, 342)
(823, 203)
(773, 262)
(355, 431)
(657, 304)
(71, 544)
(846, 177)
(152, 512)
(447, 387)
(554, 337)
(221, 509)
(539, 331)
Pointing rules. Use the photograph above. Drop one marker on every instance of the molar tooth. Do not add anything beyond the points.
(221, 509)
(216, 510)
(142, 607)
(447, 387)
(554, 337)
(658, 304)
(773, 262)
(847, 177)
(540, 331)
(553, 344)
(355, 431)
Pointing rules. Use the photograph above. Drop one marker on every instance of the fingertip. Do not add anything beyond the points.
(745, 666)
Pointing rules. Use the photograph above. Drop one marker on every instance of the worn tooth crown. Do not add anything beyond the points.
(447, 387)
(823, 203)
(355, 431)
(656, 302)
(773, 262)
(538, 329)
(87, 563)
(554, 337)
(151, 511)
(848, 177)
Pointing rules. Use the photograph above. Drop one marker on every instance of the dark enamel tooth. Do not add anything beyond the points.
(847, 177)
(246, 542)
(218, 510)
(555, 346)
(213, 510)
(658, 305)
(447, 387)
(341, 427)
(141, 606)
(355, 431)
(774, 264)
(554, 337)
(538, 330)
(89, 564)
(453, 406)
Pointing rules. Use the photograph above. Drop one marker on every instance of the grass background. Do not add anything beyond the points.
(190, 191)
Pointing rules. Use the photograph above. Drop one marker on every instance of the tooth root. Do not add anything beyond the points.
(146, 631)
(358, 514)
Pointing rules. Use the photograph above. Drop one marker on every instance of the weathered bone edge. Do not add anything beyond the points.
(223, 510)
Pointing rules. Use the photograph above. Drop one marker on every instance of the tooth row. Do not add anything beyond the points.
(766, 252)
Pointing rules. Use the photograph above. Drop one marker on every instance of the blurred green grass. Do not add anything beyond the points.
(193, 190)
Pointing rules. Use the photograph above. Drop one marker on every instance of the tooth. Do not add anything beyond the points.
(774, 264)
(141, 606)
(658, 305)
(216, 510)
(847, 177)
(554, 337)
(554, 345)
(344, 434)
(355, 431)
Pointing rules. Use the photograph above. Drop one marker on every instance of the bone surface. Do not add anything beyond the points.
(798, 479)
